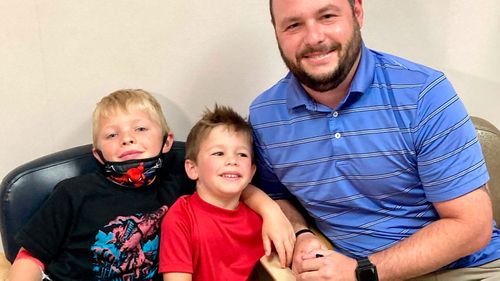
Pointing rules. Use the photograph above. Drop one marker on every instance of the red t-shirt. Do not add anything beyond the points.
(210, 242)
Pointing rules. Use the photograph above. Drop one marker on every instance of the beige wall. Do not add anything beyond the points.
(58, 57)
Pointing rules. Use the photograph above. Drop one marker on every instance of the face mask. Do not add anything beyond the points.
(133, 173)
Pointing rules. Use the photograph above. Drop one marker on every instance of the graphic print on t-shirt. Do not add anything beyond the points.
(127, 248)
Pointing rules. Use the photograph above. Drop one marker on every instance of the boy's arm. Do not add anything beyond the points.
(25, 268)
(275, 227)
(177, 276)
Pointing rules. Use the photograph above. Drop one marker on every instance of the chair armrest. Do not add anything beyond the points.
(270, 269)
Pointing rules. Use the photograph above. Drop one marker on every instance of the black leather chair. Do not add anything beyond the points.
(25, 188)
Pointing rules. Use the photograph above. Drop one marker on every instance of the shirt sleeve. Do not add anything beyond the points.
(45, 232)
(450, 160)
(176, 254)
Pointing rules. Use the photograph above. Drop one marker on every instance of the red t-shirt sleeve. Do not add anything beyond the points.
(176, 253)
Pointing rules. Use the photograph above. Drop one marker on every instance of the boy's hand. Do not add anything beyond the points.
(277, 229)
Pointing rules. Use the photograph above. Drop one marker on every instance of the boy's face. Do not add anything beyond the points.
(130, 135)
(223, 166)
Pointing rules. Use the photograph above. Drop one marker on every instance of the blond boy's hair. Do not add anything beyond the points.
(124, 100)
(220, 116)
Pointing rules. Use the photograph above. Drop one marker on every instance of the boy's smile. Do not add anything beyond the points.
(130, 154)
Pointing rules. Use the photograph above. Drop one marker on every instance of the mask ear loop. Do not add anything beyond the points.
(99, 152)
(106, 164)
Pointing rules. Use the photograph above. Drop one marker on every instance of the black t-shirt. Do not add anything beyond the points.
(93, 229)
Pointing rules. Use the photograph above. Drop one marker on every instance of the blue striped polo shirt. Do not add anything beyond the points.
(369, 170)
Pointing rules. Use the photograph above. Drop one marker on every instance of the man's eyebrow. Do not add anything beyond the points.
(327, 8)
(287, 20)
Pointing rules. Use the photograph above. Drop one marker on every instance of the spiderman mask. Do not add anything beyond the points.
(133, 173)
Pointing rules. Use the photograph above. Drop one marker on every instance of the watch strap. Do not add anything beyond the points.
(366, 271)
(365, 262)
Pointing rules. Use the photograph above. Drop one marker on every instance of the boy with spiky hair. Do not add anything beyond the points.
(212, 235)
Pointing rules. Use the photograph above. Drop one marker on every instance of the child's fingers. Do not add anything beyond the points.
(289, 250)
(267, 245)
(282, 254)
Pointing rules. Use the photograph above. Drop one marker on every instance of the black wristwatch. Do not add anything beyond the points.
(366, 271)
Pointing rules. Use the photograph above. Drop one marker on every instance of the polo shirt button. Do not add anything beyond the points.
(337, 135)
(335, 114)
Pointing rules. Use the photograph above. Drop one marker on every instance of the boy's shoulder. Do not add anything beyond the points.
(182, 204)
(90, 179)
(80, 185)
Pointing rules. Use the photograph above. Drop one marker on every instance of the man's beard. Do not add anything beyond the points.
(333, 79)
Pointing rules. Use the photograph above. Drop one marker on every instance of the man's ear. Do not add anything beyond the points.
(169, 141)
(358, 12)
(97, 156)
(191, 169)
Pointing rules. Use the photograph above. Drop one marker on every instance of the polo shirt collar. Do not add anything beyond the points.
(365, 72)
(362, 80)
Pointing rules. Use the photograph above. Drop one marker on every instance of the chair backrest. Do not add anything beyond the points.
(489, 137)
(25, 188)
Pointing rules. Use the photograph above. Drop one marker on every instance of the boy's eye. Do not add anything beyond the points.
(243, 154)
(110, 136)
(142, 129)
(218, 153)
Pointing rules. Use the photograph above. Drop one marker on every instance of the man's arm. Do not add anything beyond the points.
(465, 226)
(294, 216)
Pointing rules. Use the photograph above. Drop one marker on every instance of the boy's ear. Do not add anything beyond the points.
(254, 169)
(191, 169)
(169, 141)
(97, 156)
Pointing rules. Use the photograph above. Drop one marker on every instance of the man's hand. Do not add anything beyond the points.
(306, 243)
(327, 265)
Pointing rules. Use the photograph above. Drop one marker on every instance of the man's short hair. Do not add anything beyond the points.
(351, 2)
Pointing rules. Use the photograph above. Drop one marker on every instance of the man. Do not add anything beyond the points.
(379, 150)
